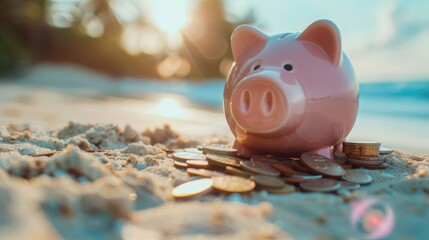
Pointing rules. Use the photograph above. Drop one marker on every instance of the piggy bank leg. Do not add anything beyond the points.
(326, 152)
(244, 151)
(338, 148)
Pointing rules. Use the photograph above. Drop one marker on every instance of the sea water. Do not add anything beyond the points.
(394, 113)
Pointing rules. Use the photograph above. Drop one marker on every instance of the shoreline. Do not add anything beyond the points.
(48, 109)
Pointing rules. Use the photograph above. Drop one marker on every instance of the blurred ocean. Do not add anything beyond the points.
(395, 113)
(406, 99)
(396, 99)
(390, 112)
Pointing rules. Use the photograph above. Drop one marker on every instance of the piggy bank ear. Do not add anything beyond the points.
(325, 34)
(243, 37)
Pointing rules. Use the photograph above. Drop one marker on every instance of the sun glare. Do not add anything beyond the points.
(170, 16)
(170, 107)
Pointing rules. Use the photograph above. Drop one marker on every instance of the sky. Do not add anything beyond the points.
(385, 40)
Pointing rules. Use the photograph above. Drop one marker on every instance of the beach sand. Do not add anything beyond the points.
(125, 192)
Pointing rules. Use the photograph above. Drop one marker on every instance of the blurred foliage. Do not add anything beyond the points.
(12, 52)
(100, 34)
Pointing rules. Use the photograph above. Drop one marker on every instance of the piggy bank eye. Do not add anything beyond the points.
(288, 67)
(256, 67)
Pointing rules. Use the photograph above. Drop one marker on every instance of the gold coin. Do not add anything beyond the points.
(192, 188)
(373, 167)
(223, 160)
(267, 181)
(286, 189)
(385, 150)
(168, 150)
(349, 185)
(320, 185)
(293, 180)
(321, 164)
(365, 162)
(197, 163)
(179, 164)
(91, 150)
(183, 156)
(194, 150)
(285, 170)
(203, 172)
(266, 159)
(299, 166)
(357, 177)
(220, 149)
(346, 166)
(366, 158)
(339, 157)
(361, 148)
(259, 168)
(233, 184)
(237, 171)
(45, 154)
(306, 176)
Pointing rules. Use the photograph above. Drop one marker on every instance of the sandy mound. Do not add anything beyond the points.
(99, 181)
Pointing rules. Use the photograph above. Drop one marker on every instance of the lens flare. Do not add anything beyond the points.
(170, 16)
(372, 218)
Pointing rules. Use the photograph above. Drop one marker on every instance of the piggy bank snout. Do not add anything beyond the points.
(260, 105)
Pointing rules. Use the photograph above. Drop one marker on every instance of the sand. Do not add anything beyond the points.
(123, 192)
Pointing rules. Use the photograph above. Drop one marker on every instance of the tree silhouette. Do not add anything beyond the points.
(206, 39)
(89, 33)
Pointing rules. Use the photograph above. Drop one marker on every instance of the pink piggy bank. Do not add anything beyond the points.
(290, 93)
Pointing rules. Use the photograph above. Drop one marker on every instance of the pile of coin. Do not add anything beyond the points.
(365, 154)
(225, 172)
